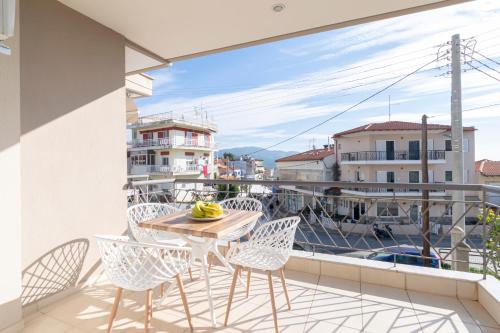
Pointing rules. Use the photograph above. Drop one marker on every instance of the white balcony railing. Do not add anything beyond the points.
(170, 143)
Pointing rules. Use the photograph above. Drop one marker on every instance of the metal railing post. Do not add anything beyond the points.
(485, 216)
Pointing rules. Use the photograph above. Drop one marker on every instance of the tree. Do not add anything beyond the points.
(228, 156)
(492, 220)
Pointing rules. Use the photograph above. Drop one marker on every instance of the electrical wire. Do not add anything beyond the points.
(479, 70)
(349, 108)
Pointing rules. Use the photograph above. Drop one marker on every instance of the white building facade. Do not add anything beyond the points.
(310, 166)
(391, 152)
(170, 146)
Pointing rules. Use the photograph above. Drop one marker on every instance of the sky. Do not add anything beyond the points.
(265, 94)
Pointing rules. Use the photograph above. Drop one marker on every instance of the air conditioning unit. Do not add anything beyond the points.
(7, 22)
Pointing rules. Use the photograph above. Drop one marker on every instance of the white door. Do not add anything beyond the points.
(380, 145)
(381, 176)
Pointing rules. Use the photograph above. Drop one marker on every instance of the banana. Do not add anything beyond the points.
(206, 209)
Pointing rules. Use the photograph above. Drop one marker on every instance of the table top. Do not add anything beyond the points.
(181, 223)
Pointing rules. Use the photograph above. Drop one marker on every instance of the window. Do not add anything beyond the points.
(413, 177)
(447, 145)
(387, 209)
(164, 161)
(448, 176)
(448, 209)
(390, 176)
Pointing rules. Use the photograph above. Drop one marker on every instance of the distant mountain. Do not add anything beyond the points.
(268, 156)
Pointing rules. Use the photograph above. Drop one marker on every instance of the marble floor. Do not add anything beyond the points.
(319, 304)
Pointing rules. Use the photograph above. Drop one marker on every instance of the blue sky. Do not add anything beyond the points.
(263, 94)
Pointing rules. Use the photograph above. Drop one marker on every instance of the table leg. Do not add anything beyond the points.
(204, 267)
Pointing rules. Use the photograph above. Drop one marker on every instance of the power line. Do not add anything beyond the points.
(330, 95)
(260, 98)
(482, 55)
(348, 109)
(309, 80)
(479, 70)
(466, 110)
(485, 65)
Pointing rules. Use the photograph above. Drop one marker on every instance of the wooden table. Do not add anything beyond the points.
(180, 223)
(208, 233)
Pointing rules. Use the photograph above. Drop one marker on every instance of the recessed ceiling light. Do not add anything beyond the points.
(279, 7)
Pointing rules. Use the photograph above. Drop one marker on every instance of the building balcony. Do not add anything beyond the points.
(139, 85)
(165, 170)
(141, 144)
(383, 192)
(336, 288)
(396, 157)
(170, 118)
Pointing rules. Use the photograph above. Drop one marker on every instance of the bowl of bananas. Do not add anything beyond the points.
(206, 212)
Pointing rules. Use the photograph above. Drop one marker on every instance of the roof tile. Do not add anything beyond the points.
(310, 155)
(488, 168)
(396, 126)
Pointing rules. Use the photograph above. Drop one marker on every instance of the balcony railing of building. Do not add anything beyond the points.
(399, 155)
(166, 117)
(173, 169)
(335, 223)
(391, 190)
(170, 143)
(340, 224)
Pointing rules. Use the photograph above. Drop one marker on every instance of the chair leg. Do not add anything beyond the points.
(283, 283)
(162, 289)
(149, 309)
(184, 301)
(114, 310)
(248, 280)
(210, 261)
(231, 293)
(271, 296)
(190, 274)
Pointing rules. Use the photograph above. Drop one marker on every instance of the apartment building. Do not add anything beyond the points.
(309, 166)
(172, 146)
(488, 173)
(391, 152)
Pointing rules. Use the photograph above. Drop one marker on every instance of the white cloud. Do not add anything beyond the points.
(402, 44)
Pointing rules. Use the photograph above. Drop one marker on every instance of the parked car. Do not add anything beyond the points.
(405, 255)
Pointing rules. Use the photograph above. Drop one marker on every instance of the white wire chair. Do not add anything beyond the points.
(238, 203)
(268, 249)
(138, 266)
(148, 211)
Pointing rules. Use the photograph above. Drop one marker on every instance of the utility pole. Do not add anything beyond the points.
(426, 247)
(460, 255)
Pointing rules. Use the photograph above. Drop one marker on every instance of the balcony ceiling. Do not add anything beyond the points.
(179, 29)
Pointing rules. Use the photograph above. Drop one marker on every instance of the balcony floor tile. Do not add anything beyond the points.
(319, 304)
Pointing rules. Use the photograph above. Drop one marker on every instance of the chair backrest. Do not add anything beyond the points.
(148, 211)
(277, 235)
(139, 266)
(250, 204)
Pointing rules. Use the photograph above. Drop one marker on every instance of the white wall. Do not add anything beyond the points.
(73, 148)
